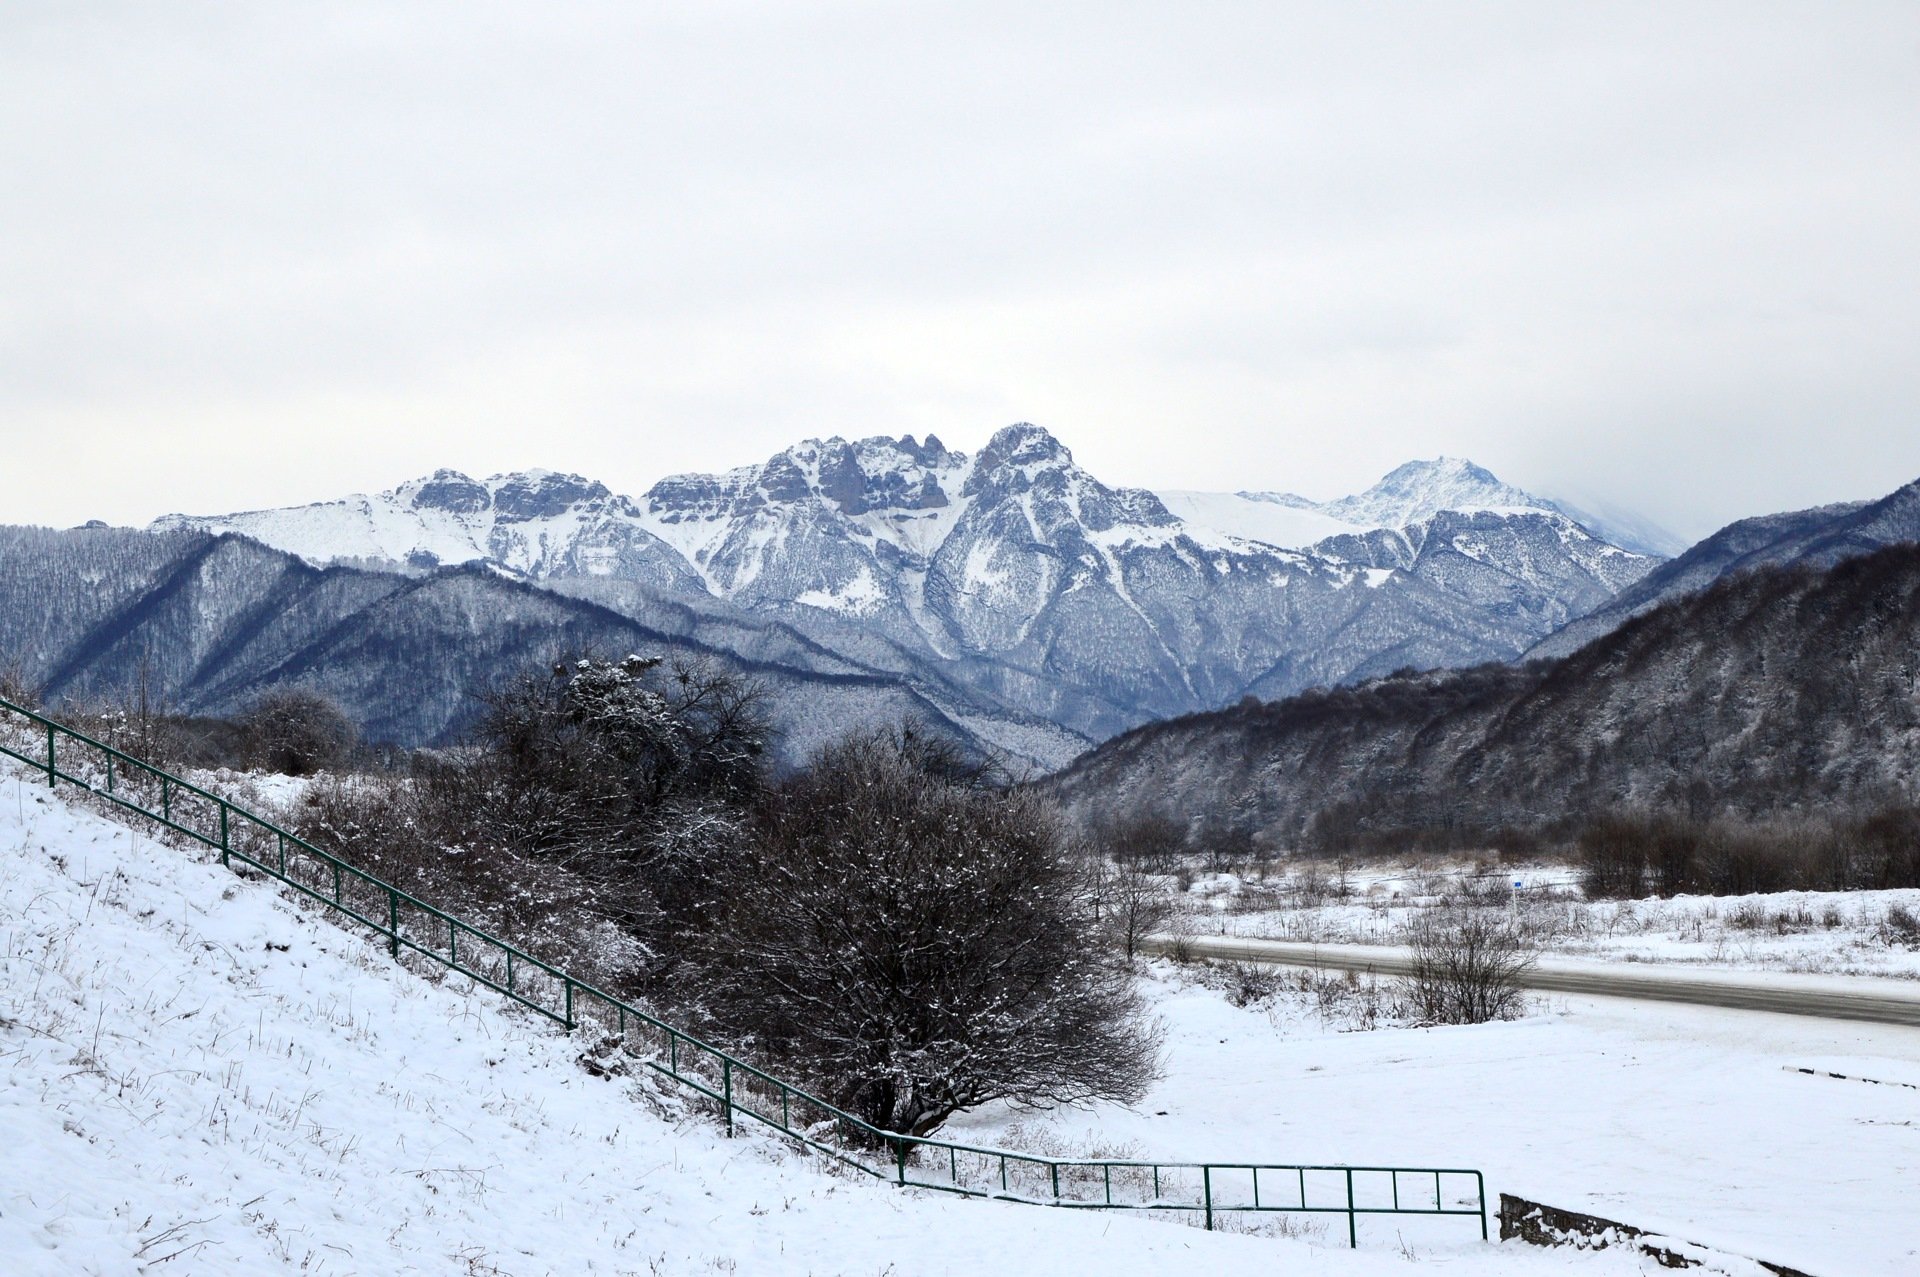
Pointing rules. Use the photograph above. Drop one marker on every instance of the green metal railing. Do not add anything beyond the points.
(404, 922)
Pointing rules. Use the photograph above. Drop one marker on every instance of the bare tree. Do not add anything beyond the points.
(297, 732)
(1145, 839)
(587, 750)
(138, 719)
(1138, 904)
(633, 775)
(916, 945)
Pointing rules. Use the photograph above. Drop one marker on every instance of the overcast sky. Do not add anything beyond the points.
(1666, 256)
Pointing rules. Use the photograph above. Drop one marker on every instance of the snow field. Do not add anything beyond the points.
(1681, 1120)
(198, 1077)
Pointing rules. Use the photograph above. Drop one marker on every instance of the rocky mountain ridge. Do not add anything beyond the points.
(205, 622)
(1011, 574)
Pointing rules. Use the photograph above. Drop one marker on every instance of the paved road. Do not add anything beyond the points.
(1831, 997)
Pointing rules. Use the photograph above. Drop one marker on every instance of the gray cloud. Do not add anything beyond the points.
(1659, 255)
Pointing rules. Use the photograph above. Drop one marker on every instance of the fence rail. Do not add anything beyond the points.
(740, 1090)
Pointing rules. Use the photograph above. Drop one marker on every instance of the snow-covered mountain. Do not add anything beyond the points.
(1012, 576)
(1411, 494)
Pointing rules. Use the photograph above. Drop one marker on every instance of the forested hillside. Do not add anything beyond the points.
(1782, 691)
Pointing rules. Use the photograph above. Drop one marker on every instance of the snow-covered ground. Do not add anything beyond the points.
(1811, 932)
(1678, 1119)
(198, 1077)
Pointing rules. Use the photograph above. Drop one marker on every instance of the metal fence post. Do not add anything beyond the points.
(900, 1156)
(726, 1088)
(53, 773)
(1353, 1234)
(568, 981)
(223, 838)
(393, 923)
(1056, 1181)
(1206, 1192)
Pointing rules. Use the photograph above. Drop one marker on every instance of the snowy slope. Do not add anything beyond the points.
(1266, 517)
(534, 522)
(196, 1077)
(1410, 494)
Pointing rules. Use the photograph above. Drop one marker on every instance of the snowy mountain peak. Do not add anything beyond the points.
(1418, 490)
(1027, 445)
(517, 497)
(447, 490)
(536, 522)
(1014, 571)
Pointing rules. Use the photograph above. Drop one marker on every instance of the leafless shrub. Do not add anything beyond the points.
(138, 721)
(16, 687)
(395, 828)
(1901, 926)
(1467, 967)
(1351, 1001)
(1752, 916)
(1249, 983)
(916, 946)
(1309, 885)
(1483, 890)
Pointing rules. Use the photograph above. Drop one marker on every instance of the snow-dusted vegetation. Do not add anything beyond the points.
(1378, 903)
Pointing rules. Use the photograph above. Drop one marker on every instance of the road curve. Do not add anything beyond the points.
(1829, 997)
